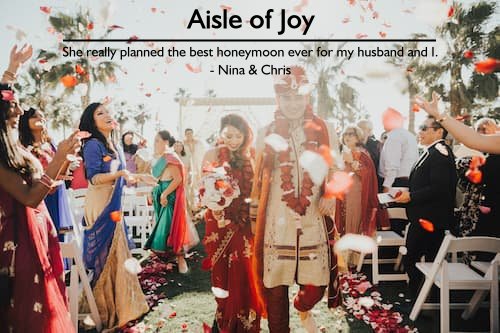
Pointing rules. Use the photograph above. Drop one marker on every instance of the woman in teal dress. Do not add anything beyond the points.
(171, 231)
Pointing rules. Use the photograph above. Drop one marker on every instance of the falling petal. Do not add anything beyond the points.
(361, 35)
(468, 54)
(346, 20)
(224, 7)
(315, 165)
(487, 66)
(116, 216)
(474, 175)
(355, 242)
(153, 9)
(339, 185)
(387, 25)
(300, 6)
(114, 26)
(193, 69)
(426, 225)
(133, 266)
(220, 293)
(132, 38)
(415, 107)
(90, 26)
(277, 142)
(382, 34)
(45, 9)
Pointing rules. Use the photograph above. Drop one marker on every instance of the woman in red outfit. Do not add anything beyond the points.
(229, 244)
(32, 295)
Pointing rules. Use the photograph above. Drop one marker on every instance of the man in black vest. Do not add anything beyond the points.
(430, 200)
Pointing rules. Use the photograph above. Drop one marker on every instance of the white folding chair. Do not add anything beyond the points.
(137, 218)
(77, 272)
(459, 276)
(387, 238)
(77, 204)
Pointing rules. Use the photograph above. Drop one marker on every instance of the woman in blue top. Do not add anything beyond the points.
(117, 292)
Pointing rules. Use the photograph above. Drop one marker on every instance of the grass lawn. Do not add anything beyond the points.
(183, 302)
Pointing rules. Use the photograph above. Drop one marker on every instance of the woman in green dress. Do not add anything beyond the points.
(171, 231)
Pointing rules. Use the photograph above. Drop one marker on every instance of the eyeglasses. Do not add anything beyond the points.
(424, 128)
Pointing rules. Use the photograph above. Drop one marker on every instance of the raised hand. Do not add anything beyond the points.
(430, 107)
(19, 57)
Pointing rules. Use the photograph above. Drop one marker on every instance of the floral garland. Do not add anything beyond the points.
(298, 203)
(239, 206)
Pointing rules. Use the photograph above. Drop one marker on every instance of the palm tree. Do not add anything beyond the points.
(334, 97)
(122, 113)
(82, 71)
(465, 31)
(141, 116)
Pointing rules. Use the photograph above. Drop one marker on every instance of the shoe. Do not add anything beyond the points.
(183, 266)
(308, 322)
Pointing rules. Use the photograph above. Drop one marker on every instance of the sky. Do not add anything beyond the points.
(155, 81)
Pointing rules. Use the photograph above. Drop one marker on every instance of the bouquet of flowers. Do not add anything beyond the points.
(217, 189)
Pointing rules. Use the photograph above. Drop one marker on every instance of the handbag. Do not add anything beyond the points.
(7, 274)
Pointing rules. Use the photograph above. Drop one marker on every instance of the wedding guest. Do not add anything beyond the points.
(171, 230)
(33, 135)
(399, 151)
(430, 200)
(461, 132)
(228, 235)
(486, 126)
(129, 149)
(371, 144)
(195, 150)
(118, 294)
(356, 214)
(30, 259)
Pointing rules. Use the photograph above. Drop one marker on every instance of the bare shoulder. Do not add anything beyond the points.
(211, 154)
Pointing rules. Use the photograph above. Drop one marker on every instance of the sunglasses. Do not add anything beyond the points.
(424, 128)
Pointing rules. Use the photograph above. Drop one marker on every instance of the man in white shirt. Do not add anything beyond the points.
(399, 152)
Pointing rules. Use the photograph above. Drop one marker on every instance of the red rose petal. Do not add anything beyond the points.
(116, 216)
(69, 81)
(468, 54)
(193, 69)
(426, 225)
(45, 9)
(487, 66)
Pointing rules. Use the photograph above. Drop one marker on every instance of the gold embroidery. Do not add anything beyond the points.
(37, 307)
(223, 244)
(247, 252)
(248, 323)
(212, 237)
(233, 257)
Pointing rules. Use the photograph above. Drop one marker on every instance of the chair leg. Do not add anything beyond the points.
(360, 261)
(444, 300)
(474, 304)
(73, 296)
(422, 296)
(375, 266)
(494, 324)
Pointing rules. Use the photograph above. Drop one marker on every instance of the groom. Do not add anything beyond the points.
(292, 242)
